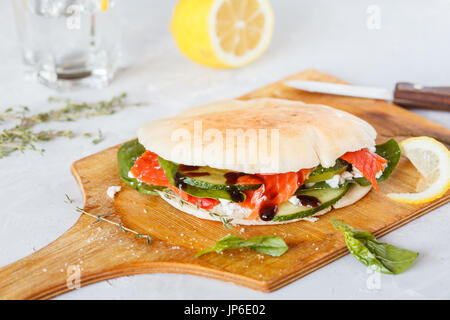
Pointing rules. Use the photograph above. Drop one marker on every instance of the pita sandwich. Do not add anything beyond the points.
(256, 162)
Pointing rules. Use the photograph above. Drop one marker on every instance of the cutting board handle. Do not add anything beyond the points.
(41, 274)
(417, 96)
(91, 251)
(67, 263)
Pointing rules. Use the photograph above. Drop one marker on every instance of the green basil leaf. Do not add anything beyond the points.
(127, 155)
(389, 151)
(271, 245)
(381, 257)
(170, 168)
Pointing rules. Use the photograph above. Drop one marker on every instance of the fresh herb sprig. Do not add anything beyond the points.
(225, 220)
(271, 245)
(71, 111)
(101, 218)
(100, 137)
(169, 195)
(21, 137)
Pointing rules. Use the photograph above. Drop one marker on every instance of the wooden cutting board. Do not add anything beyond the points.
(98, 251)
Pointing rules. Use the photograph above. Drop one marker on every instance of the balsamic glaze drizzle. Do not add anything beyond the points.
(267, 213)
(184, 167)
(308, 201)
(232, 177)
(179, 180)
(236, 195)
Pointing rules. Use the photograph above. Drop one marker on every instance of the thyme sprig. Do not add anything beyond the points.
(101, 218)
(69, 112)
(122, 228)
(225, 220)
(21, 137)
(222, 218)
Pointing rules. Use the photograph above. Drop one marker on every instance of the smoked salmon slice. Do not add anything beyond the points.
(367, 162)
(275, 189)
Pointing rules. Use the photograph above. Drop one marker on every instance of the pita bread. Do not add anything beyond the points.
(355, 193)
(308, 135)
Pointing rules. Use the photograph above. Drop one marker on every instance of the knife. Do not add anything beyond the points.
(405, 94)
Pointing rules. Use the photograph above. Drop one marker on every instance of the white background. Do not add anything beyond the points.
(413, 44)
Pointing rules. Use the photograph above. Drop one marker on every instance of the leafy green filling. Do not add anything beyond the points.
(389, 151)
(127, 155)
(129, 152)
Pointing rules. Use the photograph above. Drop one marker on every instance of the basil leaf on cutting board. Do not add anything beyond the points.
(390, 151)
(271, 245)
(127, 155)
(381, 257)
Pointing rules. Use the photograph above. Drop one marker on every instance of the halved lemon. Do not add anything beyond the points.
(222, 33)
(432, 159)
(104, 4)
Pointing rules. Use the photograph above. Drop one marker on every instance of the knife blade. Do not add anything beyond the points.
(405, 94)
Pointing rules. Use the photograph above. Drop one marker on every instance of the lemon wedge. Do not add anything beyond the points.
(104, 4)
(432, 159)
(222, 33)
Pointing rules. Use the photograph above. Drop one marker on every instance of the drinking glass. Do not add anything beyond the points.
(69, 43)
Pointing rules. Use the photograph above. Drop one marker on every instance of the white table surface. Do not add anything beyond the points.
(413, 44)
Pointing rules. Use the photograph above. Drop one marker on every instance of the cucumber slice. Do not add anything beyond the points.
(317, 186)
(322, 174)
(211, 178)
(327, 197)
(177, 179)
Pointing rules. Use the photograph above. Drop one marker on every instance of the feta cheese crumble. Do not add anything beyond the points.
(294, 200)
(379, 173)
(334, 182)
(339, 179)
(346, 176)
(112, 190)
(231, 209)
(356, 173)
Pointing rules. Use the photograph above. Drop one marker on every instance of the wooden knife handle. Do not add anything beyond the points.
(417, 96)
